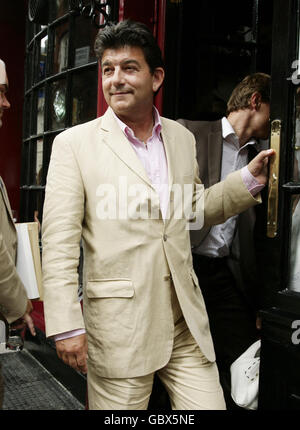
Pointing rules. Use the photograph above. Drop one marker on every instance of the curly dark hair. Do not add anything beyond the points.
(129, 33)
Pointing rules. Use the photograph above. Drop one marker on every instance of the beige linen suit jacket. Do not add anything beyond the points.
(130, 265)
(13, 297)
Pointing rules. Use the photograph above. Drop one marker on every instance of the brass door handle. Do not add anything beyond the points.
(272, 220)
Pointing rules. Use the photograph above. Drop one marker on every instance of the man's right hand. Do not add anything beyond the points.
(258, 167)
(73, 351)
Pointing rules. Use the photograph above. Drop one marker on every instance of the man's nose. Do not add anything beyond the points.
(5, 103)
(118, 77)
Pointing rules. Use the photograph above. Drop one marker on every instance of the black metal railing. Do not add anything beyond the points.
(100, 13)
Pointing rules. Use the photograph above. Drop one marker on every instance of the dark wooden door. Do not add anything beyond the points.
(278, 238)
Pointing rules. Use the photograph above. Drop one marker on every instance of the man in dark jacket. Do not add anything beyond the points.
(223, 255)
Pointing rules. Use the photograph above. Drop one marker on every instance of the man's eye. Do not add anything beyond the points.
(107, 70)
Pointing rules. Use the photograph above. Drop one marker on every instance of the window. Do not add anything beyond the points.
(61, 79)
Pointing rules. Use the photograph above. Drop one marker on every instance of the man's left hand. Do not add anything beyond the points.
(73, 351)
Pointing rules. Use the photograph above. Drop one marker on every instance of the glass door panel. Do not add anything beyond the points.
(84, 39)
(294, 263)
(58, 104)
(61, 47)
(40, 110)
(294, 281)
(84, 104)
(296, 174)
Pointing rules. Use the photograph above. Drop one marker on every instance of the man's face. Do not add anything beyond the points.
(127, 82)
(4, 103)
(262, 121)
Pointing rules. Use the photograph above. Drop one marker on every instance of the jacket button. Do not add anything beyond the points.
(165, 237)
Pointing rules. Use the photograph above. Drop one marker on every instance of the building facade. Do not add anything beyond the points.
(208, 47)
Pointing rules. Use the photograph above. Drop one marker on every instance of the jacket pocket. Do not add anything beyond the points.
(106, 288)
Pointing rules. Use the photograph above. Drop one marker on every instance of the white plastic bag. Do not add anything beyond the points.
(245, 377)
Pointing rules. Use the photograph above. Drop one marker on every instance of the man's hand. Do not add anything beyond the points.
(73, 351)
(258, 167)
(25, 320)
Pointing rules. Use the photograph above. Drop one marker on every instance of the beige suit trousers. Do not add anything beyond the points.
(191, 381)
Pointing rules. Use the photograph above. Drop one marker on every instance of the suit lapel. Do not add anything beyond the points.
(214, 152)
(118, 143)
(5, 199)
(168, 141)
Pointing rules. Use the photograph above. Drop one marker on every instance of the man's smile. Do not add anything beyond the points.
(120, 93)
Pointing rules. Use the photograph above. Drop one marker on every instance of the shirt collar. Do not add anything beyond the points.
(129, 132)
(230, 135)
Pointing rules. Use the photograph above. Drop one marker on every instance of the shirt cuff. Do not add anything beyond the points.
(69, 334)
(253, 186)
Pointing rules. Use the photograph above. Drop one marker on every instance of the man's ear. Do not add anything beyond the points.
(255, 100)
(158, 78)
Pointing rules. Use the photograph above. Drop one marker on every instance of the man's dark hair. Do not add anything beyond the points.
(241, 95)
(129, 33)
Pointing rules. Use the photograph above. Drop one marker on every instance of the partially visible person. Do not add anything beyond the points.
(224, 255)
(15, 307)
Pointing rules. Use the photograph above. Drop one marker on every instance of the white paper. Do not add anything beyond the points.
(25, 265)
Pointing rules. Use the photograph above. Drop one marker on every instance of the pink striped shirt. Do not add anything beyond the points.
(153, 158)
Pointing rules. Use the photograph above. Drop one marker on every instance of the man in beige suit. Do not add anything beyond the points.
(113, 182)
(14, 304)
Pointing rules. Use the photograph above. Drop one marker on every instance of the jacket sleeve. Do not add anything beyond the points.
(13, 297)
(62, 227)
